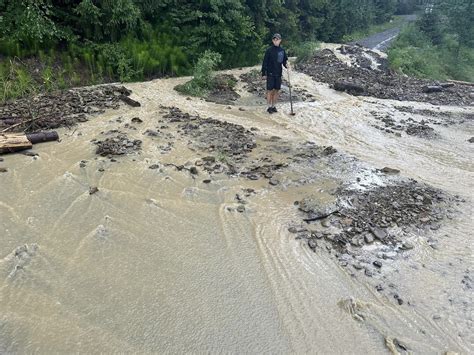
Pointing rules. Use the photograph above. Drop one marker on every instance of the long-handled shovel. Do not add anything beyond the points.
(291, 98)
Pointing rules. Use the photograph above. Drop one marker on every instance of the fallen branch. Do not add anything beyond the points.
(19, 124)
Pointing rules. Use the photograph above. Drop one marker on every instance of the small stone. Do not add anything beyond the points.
(293, 230)
(379, 288)
(377, 263)
(30, 154)
(406, 245)
(357, 266)
(389, 171)
(193, 170)
(241, 109)
(368, 272)
(471, 140)
(1, 159)
(399, 300)
(273, 182)
(241, 208)
(136, 120)
(101, 170)
(154, 166)
(435, 227)
(436, 317)
(207, 181)
(378, 233)
(368, 238)
(209, 159)
(326, 223)
(93, 190)
(3, 170)
(312, 244)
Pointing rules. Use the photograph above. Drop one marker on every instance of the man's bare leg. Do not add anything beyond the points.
(269, 97)
(276, 95)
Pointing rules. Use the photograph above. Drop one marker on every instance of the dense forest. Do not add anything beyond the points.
(86, 41)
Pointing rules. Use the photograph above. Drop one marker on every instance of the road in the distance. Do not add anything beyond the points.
(382, 40)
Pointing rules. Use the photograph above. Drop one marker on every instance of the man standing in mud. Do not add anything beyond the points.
(275, 58)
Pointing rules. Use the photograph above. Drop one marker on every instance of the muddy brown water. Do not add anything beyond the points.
(155, 261)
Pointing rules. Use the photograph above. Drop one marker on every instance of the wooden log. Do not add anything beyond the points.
(12, 142)
(468, 83)
(129, 101)
(42, 137)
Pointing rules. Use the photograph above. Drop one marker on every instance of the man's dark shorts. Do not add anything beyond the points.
(273, 82)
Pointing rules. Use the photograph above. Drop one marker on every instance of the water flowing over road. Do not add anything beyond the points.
(161, 260)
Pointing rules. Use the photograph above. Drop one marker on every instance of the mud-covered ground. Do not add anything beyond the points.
(366, 73)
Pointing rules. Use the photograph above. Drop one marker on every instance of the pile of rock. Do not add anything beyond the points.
(119, 144)
(377, 80)
(223, 91)
(383, 213)
(411, 127)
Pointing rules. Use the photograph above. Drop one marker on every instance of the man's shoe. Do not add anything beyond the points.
(274, 109)
(269, 110)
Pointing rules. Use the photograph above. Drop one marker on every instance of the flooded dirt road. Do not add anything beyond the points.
(192, 240)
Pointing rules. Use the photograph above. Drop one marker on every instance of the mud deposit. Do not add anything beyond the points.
(184, 225)
(366, 73)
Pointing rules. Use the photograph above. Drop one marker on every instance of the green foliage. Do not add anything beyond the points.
(414, 53)
(203, 75)
(303, 51)
(15, 81)
(429, 24)
(405, 7)
(29, 21)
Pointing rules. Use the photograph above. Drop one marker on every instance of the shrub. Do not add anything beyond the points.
(203, 75)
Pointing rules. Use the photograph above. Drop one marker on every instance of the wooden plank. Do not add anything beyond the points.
(12, 142)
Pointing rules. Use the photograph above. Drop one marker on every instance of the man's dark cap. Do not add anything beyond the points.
(276, 35)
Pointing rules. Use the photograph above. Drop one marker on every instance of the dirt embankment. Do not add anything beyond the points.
(62, 108)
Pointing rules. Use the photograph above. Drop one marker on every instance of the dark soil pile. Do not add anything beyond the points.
(235, 150)
(62, 108)
(367, 80)
(223, 91)
(229, 141)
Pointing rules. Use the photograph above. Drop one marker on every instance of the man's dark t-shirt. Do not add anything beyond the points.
(274, 58)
